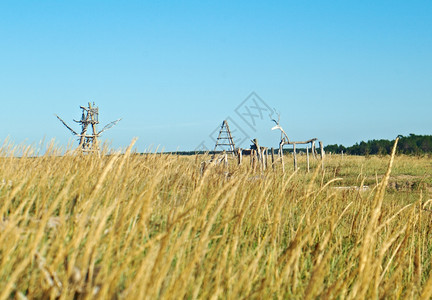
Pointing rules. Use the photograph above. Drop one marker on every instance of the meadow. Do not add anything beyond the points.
(153, 226)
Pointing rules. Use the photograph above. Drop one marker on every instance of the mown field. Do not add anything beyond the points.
(129, 226)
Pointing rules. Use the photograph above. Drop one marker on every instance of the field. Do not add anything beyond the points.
(130, 226)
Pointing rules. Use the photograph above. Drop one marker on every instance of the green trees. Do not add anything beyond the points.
(335, 148)
(411, 144)
(415, 144)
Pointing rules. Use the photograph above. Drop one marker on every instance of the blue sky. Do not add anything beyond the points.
(341, 71)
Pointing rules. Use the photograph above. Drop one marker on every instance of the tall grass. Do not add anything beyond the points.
(152, 226)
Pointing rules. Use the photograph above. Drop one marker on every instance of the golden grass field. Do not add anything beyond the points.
(129, 226)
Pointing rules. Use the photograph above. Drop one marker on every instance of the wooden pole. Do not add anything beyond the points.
(252, 158)
(295, 156)
(255, 158)
(281, 157)
(262, 161)
(307, 158)
(272, 158)
(84, 123)
(239, 155)
(93, 121)
(322, 154)
(313, 150)
(259, 154)
(266, 158)
(260, 158)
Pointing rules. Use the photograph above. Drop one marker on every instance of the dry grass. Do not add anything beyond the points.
(150, 226)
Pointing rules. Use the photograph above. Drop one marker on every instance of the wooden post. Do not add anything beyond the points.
(307, 158)
(252, 155)
(266, 158)
(313, 150)
(258, 158)
(272, 157)
(259, 154)
(322, 154)
(295, 156)
(281, 157)
(93, 121)
(255, 158)
(239, 155)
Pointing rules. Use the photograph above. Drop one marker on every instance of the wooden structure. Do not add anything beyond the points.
(261, 154)
(225, 140)
(286, 141)
(88, 142)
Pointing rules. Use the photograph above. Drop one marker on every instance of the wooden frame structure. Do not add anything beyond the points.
(286, 141)
(259, 156)
(225, 139)
(88, 142)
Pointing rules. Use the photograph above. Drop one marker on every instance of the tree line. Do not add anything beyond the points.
(411, 144)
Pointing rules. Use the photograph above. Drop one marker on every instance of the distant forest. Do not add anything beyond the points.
(412, 144)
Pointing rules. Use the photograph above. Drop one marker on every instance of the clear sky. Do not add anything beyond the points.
(341, 71)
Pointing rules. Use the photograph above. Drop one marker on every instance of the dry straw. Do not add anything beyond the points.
(151, 226)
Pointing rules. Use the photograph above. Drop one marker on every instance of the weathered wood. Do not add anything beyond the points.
(67, 126)
(300, 142)
(252, 155)
(286, 141)
(322, 154)
(281, 157)
(313, 150)
(258, 150)
(256, 155)
(225, 134)
(272, 158)
(90, 117)
(307, 158)
(254, 158)
(261, 158)
(109, 125)
(239, 156)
